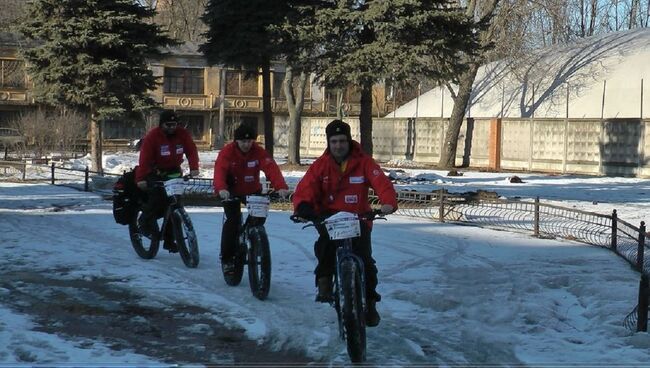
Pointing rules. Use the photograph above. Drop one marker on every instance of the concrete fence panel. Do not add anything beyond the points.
(479, 151)
(583, 143)
(516, 147)
(619, 150)
(429, 135)
(548, 145)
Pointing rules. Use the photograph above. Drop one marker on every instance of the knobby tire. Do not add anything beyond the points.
(354, 321)
(185, 237)
(259, 262)
(145, 248)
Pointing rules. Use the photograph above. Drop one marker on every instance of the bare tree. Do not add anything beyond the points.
(294, 90)
(52, 130)
(481, 11)
(182, 18)
(12, 10)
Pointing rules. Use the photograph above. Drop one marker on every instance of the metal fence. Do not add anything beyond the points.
(480, 209)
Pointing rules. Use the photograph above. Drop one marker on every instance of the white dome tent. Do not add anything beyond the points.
(597, 77)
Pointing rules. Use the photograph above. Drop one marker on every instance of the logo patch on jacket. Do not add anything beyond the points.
(351, 198)
(249, 179)
(179, 149)
(375, 172)
(252, 163)
(356, 179)
(164, 150)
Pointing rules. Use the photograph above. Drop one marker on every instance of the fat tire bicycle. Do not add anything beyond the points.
(176, 230)
(253, 248)
(349, 281)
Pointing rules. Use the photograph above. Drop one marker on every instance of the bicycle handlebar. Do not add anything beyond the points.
(372, 215)
(271, 195)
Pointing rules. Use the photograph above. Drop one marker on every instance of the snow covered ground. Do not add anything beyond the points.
(451, 294)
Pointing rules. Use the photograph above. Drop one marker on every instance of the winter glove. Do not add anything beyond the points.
(305, 211)
(387, 208)
(142, 185)
(224, 194)
(194, 173)
(283, 193)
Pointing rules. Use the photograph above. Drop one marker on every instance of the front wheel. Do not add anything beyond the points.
(185, 238)
(146, 248)
(354, 321)
(259, 262)
(233, 277)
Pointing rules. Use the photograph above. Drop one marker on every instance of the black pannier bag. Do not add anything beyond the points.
(125, 198)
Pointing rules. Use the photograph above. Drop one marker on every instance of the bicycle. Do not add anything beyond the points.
(252, 248)
(349, 278)
(176, 230)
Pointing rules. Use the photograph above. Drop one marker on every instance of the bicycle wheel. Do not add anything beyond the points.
(354, 322)
(146, 248)
(259, 262)
(185, 238)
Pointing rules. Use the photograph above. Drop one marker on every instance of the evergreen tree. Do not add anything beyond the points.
(239, 35)
(367, 41)
(91, 54)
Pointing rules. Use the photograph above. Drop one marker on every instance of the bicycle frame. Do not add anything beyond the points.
(244, 223)
(173, 202)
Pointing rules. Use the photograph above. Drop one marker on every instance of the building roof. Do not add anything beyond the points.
(602, 76)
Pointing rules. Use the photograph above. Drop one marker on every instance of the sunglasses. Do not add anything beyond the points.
(170, 124)
(336, 141)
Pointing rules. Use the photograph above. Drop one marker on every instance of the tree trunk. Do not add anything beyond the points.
(448, 151)
(95, 141)
(365, 117)
(592, 20)
(219, 142)
(295, 102)
(339, 104)
(266, 107)
(583, 19)
(634, 8)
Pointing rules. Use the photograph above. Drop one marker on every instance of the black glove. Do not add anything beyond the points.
(305, 211)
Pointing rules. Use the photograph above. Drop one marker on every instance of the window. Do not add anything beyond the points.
(194, 125)
(278, 80)
(241, 83)
(12, 73)
(183, 81)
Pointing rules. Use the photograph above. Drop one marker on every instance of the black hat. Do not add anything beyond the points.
(167, 116)
(245, 132)
(337, 127)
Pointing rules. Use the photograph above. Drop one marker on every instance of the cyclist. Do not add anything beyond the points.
(161, 155)
(338, 181)
(237, 173)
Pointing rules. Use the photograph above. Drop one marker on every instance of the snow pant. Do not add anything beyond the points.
(325, 251)
(231, 227)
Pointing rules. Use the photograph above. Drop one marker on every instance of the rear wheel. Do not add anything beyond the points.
(146, 248)
(354, 322)
(259, 262)
(185, 238)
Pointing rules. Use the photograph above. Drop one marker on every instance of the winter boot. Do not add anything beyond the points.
(324, 290)
(372, 316)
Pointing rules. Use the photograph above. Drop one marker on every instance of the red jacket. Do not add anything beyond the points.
(159, 151)
(239, 172)
(328, 190)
